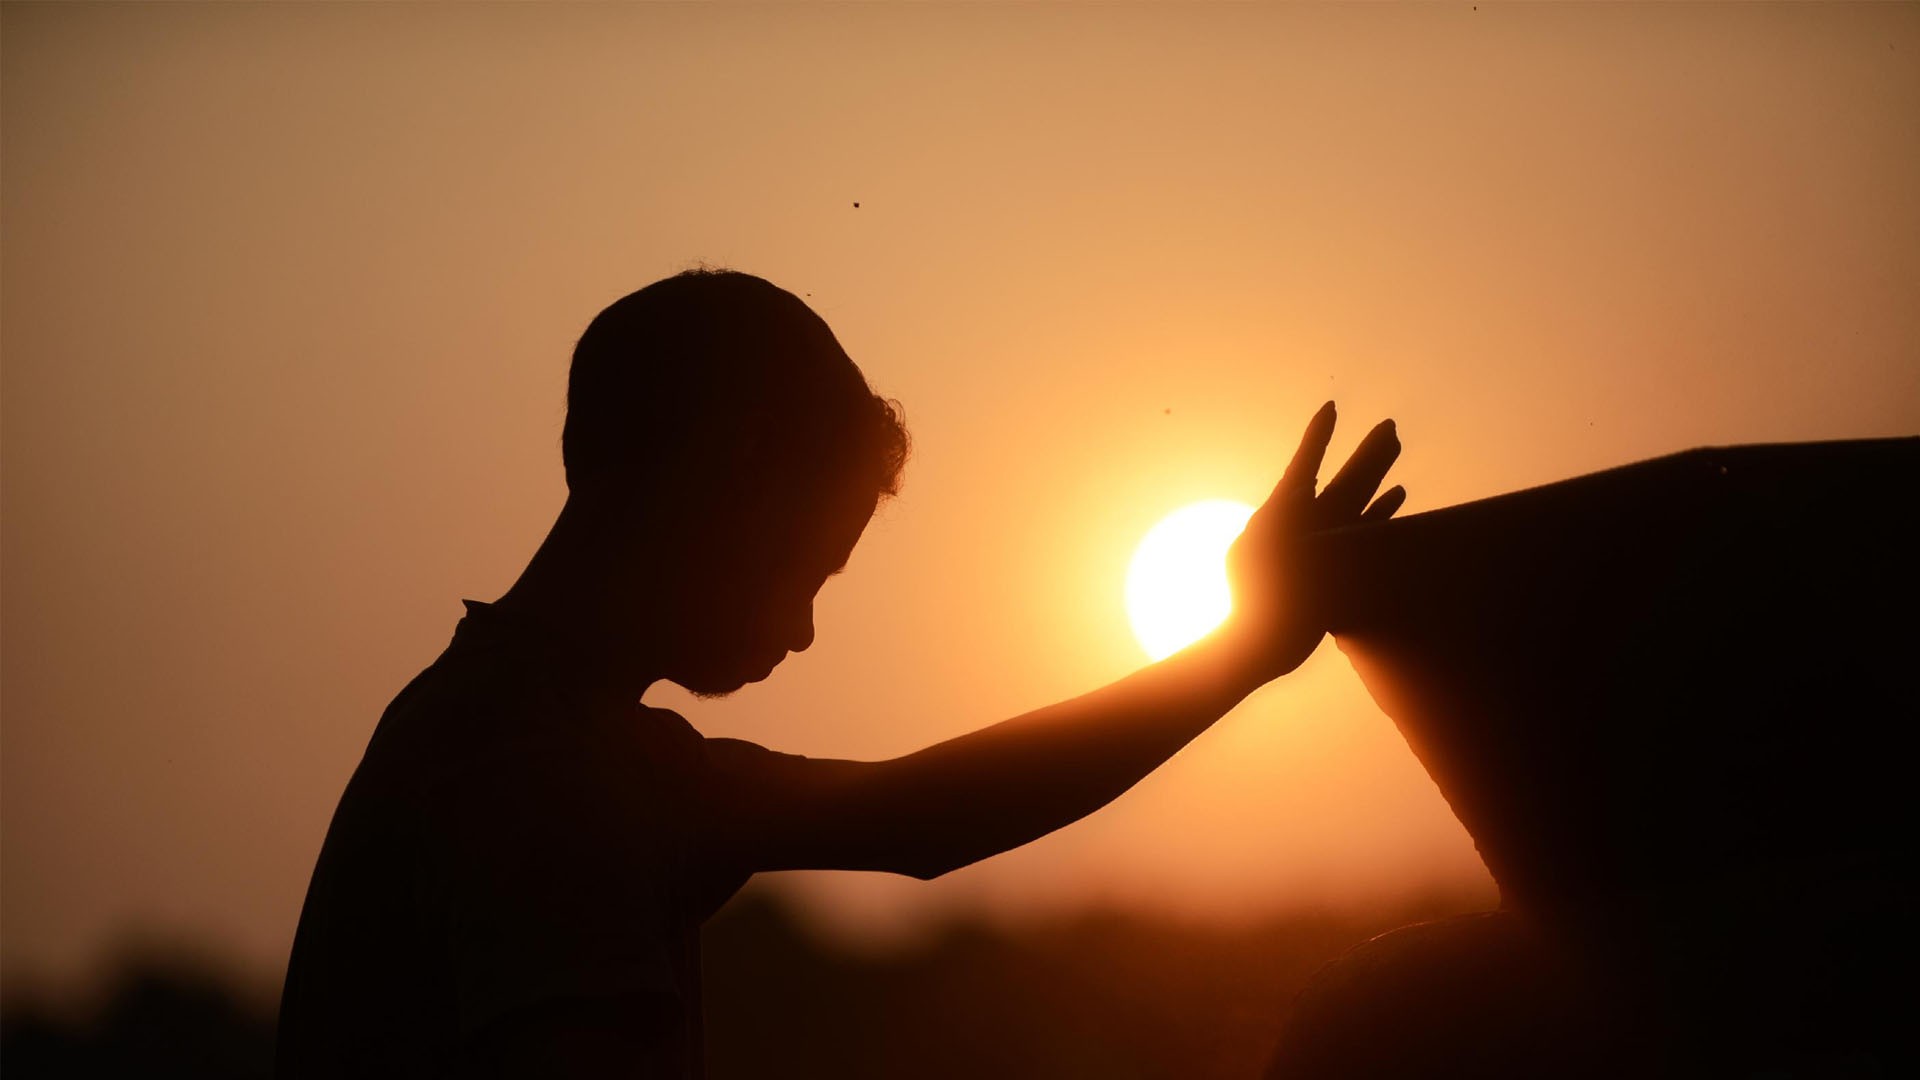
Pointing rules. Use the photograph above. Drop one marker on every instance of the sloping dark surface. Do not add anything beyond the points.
(1661, 677)
(1671, 702)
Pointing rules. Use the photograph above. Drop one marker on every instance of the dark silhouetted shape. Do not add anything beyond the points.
(1671, 702)
(162, 1015)
(515, 878)
(1085, 993)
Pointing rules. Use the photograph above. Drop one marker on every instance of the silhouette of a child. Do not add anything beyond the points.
(515, 877)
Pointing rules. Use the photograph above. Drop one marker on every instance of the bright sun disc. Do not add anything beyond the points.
(1177, 582)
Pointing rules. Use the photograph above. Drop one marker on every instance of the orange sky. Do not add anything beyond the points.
(288, 295)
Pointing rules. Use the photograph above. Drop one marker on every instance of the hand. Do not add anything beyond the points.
(1272, 628)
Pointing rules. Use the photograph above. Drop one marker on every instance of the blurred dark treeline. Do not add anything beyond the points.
(1099, 994)
(168, 1010)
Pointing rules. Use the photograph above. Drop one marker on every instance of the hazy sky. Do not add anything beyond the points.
(288, 295)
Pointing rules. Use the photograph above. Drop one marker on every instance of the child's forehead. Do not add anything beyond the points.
(841, 522)
(818, 533)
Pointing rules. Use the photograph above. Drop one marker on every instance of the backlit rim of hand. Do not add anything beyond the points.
(1345, 499)
(1273, 604)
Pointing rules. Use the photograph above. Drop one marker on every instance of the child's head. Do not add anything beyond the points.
(721, 378)
(716, 413)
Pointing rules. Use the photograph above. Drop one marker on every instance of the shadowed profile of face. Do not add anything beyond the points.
(751, 605)
(746, 453)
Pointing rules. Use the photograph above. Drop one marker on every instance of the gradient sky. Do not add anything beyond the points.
(288, 295)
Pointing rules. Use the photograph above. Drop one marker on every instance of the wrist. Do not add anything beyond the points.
(1241, 660)
(1258, 651)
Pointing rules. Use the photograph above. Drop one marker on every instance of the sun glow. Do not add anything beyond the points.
(1177, 582)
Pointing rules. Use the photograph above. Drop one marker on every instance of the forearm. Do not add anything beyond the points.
(982, 793)
(1002, 786)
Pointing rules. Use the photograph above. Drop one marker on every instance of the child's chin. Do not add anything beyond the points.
(715, 684)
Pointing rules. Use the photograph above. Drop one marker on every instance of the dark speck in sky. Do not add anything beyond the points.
(856, 206)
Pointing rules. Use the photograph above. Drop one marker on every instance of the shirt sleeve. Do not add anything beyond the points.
(766, 810)
(555, 869)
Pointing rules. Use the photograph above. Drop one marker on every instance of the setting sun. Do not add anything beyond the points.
(1177, 582)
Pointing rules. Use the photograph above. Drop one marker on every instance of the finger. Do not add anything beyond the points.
(1347, 493)
(1304, 470)
(1384, 506)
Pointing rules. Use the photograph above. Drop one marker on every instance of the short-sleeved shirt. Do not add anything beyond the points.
(515, 833)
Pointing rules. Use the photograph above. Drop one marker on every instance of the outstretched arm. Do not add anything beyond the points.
(979, 794)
